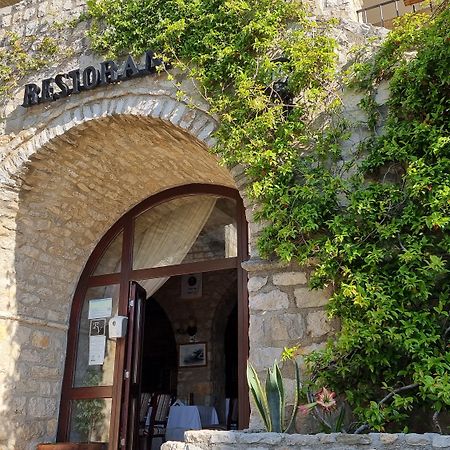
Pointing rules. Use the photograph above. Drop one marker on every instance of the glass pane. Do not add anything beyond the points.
(188, 229)
(90, 419)
(111, 259)
(96, 353)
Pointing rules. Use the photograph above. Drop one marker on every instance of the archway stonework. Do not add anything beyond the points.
(68, 171)
(74, 171)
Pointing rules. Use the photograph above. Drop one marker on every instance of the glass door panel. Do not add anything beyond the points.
(96, 353)
(90, 419)
(110, 262)
(185, 230)
(132, 383)
(218, 237)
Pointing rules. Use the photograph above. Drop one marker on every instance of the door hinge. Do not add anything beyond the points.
(122, 442)
(126, 374)
(130, 303)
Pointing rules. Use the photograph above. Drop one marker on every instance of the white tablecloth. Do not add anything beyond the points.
(183, 418)
(208, 415)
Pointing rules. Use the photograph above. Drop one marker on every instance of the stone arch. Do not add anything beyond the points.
(72, 174)
(52, 135)
(89, 178)
(41, 128)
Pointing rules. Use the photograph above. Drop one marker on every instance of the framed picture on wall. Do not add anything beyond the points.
(192, 354)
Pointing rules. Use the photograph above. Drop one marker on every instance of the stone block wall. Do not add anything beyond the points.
(32, 21)
(29, 17)
(68, 171)
(284, 310)
(30, 376)
(221, 440)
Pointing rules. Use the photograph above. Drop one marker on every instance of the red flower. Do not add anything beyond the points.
(325, 399)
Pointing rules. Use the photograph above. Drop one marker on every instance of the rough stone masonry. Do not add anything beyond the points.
(70, 169)
(220, 440)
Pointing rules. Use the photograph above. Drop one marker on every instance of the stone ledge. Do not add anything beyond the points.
(262, 265)
(240, 440)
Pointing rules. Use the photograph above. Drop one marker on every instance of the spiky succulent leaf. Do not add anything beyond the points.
(259, 396)
(273, 399)
(298, 387)
(340, 421)
(280, 383)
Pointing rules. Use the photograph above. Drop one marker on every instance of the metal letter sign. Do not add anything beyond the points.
(76, 81)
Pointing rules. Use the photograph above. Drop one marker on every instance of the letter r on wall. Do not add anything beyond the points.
(31, 95)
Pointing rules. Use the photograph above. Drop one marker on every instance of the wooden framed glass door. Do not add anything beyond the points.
(128, 253)
(129, 424)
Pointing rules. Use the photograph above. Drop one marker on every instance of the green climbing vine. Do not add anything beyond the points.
(375, 225)
(379, 236)
(267, 82)
(388, 251)
(21, 55)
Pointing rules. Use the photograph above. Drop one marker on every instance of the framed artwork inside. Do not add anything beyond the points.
(192, 354)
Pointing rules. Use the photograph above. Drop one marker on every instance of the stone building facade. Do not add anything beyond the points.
(69, 170)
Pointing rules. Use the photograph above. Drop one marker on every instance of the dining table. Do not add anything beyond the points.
(194, 417)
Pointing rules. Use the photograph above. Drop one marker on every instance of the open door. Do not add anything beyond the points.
(136, 249)
(129, 422)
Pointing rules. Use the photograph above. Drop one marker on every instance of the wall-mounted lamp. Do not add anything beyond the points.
(189, 328)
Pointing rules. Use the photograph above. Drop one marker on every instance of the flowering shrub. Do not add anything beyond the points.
(388, 252)
(322, 407)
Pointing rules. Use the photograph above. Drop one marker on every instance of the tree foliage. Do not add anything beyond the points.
(380, 236)
(388, 251)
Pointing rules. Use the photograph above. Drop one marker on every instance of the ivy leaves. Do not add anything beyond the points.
(391, 244)
(20, 56)
(380, 237)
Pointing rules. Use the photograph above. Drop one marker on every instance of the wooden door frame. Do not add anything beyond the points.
(123, 278)
(135, 335)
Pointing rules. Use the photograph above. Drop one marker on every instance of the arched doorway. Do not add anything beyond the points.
(184, 231)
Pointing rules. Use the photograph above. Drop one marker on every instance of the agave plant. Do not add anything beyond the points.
(271, 400)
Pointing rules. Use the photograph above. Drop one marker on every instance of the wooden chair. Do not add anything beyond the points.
(232, 419)
(144, 409)
(156, 425)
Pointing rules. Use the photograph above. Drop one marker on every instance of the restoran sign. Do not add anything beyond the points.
(76, 81)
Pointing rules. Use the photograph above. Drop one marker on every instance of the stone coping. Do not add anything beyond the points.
(228, 440)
